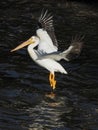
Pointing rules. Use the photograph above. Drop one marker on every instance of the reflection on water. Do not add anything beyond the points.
(24, 85)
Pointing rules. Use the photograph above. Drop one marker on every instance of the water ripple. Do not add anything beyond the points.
(24, 85)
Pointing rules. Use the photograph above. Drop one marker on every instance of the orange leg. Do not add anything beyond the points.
(52, 80)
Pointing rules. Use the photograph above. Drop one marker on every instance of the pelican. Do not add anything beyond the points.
(47, 55)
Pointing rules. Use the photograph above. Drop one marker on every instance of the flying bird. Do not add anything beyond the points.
(47, 55)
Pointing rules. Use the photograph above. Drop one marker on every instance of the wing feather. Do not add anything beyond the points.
(46, 22)
(74, 49)
(71, 53)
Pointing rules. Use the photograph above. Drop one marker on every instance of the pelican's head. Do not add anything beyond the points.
(32, 40)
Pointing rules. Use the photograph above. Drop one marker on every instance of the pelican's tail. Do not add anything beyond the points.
(63, 71)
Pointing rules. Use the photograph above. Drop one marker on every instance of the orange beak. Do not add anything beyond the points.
(29, 41)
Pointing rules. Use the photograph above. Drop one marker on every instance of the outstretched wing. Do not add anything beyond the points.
(74, 49)
(46, 22)
(71, 53)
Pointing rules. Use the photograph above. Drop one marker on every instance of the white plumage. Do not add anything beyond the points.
(46, 44)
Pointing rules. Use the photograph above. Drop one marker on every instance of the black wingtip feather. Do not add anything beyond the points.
(45, 21)
(77, 43)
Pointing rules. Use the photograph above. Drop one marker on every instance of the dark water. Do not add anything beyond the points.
(24, 85)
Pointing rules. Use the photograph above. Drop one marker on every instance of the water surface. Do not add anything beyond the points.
(24, 85)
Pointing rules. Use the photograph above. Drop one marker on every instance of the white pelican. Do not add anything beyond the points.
(47, 55)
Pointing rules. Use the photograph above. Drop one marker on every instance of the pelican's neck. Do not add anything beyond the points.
(32, 51)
